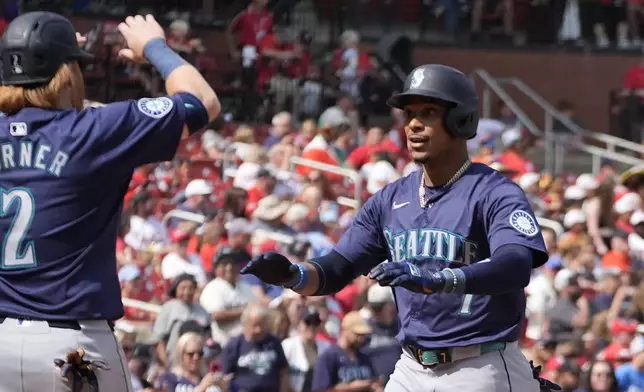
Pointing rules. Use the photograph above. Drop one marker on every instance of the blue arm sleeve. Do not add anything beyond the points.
(507, 270)
(334, 272)
(364, 244)
(196, 114)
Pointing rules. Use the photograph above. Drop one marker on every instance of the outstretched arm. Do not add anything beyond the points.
(361, 248)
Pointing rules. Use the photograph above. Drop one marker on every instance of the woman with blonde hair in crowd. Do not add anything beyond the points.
(189, 371)
(598, 207)
(278, 323)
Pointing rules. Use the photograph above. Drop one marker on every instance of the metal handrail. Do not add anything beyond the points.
(554, 144)
(610, 140)
(352, 175)
(145, 306)
(552, 225)
(493, 85)
(183, 215)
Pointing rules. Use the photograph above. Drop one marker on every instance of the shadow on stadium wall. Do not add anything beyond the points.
(585, 79)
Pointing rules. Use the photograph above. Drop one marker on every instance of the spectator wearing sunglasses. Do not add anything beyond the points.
(302, 350)
(189, 372)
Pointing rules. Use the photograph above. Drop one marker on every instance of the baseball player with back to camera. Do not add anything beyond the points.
(461, 241)
(64, 173)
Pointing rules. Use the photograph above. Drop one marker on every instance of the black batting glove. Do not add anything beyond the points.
(273, 268)
(544, 385)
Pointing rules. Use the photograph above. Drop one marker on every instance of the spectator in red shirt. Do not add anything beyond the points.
(634, 79)
(632, 103)
(246, 31)
(264, 186)
(3, 25)
(512, 158)
(250, 26)
(178, 40)
(374, 142)
(362, 154)
(350, 63)
(275, 56)
(619, 351)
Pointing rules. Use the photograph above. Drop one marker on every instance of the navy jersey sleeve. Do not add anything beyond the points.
(364, 244)
(131, 133)
(323, 372)
(509, 219)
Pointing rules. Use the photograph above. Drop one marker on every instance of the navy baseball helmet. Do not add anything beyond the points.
(440, 82)
(34, 46)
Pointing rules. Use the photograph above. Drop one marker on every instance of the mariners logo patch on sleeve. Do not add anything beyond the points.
(524, 223)
(155, 107)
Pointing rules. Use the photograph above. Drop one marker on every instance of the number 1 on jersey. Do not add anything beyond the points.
(466, 305)
(12, 257)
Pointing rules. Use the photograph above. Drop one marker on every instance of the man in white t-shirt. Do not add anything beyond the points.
(226, 296)
(541, 297)
(179, 262)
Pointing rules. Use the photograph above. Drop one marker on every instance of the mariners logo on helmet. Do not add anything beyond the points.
(417, 78)
(524, 223)
(16, 64)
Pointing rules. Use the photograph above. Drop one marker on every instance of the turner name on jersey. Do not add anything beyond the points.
(27, 155)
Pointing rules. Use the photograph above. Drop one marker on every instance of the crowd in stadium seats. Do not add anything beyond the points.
(192, 323)
(234, 193)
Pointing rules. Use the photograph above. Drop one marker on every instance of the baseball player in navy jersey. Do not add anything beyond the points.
(63, 173)
(460, 241)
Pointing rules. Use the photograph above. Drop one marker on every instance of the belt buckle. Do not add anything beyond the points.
(433, 357)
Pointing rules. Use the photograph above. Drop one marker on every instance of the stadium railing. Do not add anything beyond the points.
(555, 145)
(351, 175)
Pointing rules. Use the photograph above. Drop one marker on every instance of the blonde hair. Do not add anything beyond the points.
(274, 320)
(15, 98)
(255, 154)
(244, 134)
(125, 337)
(182, 342)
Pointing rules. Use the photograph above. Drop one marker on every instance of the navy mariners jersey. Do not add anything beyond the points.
(464, 224)
(63, 175)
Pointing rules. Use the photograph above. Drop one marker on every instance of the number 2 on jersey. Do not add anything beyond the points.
(12, 257)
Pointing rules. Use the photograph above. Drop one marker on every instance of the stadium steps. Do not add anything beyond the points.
(582, 153)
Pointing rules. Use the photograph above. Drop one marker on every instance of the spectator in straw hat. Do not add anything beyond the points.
(633, 179)
(269, 213)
